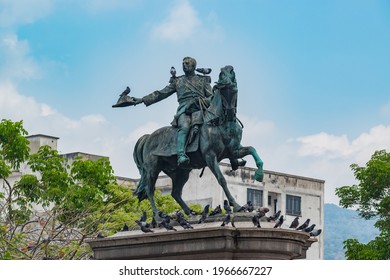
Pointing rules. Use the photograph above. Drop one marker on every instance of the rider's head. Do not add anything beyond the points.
(189, 65)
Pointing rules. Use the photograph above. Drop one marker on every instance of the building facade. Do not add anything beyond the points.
(293, 195)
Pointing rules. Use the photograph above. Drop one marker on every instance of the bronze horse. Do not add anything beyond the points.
(219, 138)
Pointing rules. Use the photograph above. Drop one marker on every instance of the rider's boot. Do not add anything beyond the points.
(182, 158)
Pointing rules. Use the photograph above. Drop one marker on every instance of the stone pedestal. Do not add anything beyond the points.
(206, 241)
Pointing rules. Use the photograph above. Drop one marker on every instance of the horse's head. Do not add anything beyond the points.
(227, 87)
(227, 79)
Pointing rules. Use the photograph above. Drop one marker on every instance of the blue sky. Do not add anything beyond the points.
(313, 76)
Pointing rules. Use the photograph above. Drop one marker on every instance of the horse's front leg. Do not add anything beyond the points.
(212, 163)
(249, 150)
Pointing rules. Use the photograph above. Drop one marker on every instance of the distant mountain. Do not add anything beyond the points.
(341, 224)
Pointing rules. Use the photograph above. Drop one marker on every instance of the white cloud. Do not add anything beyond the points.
(323, 143)
(93, 119)
(15, 12)
(181, 23)
(385, 110)
(332, 146)
(46, 110)
(16, 62)
(329, 157)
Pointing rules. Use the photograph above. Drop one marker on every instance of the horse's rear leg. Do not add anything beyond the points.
(179, 178)
(151, 181)
(249, 150)
(212, 163)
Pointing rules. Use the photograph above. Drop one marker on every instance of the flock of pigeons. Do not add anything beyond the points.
(178, 216)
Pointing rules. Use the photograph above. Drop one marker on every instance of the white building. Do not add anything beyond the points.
(293, 195)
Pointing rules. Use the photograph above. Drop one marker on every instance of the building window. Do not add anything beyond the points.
(293, 205)
(255, 196)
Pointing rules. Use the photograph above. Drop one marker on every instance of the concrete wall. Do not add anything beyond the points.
(36, 141)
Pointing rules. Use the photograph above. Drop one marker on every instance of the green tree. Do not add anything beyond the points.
(50, 213)
(371, 198)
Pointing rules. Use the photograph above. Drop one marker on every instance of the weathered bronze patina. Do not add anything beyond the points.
(204, 131)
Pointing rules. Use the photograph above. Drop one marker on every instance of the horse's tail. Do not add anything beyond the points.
(139, 161)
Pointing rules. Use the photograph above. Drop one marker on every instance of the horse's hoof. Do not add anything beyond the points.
(259, 175)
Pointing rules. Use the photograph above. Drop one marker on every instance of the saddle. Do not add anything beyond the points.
(168, 146)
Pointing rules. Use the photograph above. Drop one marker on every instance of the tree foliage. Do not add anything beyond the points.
(371, 197)
(51, 212)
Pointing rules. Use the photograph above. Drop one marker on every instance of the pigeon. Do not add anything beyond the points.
(145, 227)
(154, 223)
(227, 207)
(143, 217)
(304, 225)
(316, 233)
(310, 228)
(279, 222)
(125, 92)
(166, 225)
(295, 223)
(216, 211)
(256, 220)
(182, 221)
(262, 211)
(164, 216)
(125, 228)
(204, 214)
(173, 72)
(227, 220)
(178, 215)
(204, 71)
(248, 207)
(274, 217)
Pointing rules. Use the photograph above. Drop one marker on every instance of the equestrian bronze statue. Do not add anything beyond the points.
(205, 130)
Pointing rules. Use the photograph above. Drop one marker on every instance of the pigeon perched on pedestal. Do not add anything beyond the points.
(216, 211)
(256, 220)
(316, 233)
(310, 228)
(259, 214)
(262, 211)
(166, 225)
(204, 214)
(227, 220)
(304, 225)
(182, 221)
(125, 228)
(274, 217)
(164, 216)
(295, 223)
(248, 207)
(227, 207)
(145, 227)
(279, 222)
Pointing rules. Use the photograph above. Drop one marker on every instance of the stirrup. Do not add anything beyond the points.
(182, 159)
